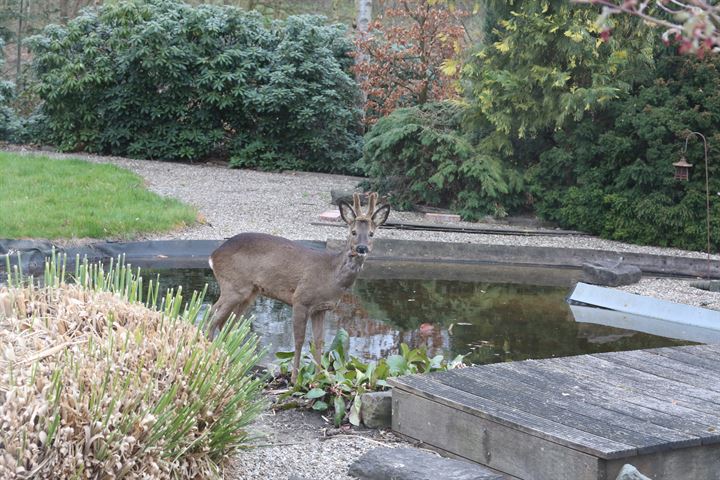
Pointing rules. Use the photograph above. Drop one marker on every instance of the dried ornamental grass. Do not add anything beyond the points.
(96, 384)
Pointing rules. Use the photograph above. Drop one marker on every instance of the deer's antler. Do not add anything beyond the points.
(356, 204)
(372, 200)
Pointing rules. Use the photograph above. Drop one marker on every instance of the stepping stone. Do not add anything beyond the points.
(376, 409)
(412, 464)
(611, 274)
(442, 217)
(330, 216)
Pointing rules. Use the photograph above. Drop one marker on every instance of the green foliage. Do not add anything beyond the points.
(340, 379)
(542, 67)
(8, 120)
(125, 379)
(45, 198)
(612, 174)
(162, 79)
(420, 155)
(548, 65)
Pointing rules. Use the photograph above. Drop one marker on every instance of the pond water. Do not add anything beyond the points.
(491, 322)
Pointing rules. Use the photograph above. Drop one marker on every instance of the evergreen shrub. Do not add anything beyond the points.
(420, 155)
(8, 119)
(611, 174)
(165, 80)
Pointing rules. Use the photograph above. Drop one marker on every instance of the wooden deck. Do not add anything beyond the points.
(574, 418)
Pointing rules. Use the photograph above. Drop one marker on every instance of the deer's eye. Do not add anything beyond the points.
(371, 234)
(354, 232)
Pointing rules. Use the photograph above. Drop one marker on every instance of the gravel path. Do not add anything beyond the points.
(233, 201)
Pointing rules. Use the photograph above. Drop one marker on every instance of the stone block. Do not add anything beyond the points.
(331, 216)
(384, 463)
(442, 217)
(611, 274)
(629, 472)
(376, 409)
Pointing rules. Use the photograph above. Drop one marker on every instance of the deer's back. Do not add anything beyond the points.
(268, 262)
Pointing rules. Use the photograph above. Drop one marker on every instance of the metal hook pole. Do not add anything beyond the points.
(707, 192)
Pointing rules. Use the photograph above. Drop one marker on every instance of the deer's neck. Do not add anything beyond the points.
(347, 268)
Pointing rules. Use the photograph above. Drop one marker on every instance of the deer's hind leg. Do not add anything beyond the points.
(230, 301)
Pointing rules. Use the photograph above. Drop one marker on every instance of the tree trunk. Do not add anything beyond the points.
(19, 39)
(362, 23)
(64, 7)
(364, 15)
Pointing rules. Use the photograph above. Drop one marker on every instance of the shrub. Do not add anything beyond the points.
(612, 175)
(408, 57)
(420, 155)
(8, 120)
(161, 79)
(97, 383)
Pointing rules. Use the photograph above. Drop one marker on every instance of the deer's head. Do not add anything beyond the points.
(362, 225)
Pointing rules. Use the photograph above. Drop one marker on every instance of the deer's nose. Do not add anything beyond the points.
(362, 249)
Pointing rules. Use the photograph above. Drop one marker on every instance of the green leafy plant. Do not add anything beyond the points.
(339, 381)
(612, 175)
(119, 379)
(162, 79)
(8, 119)
(421, 155)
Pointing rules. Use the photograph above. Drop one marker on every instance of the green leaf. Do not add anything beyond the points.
(320, 406)
(284, 355)
(340, 343)
(315, 393)
(339, 404)
(397, 364)
(354, 416)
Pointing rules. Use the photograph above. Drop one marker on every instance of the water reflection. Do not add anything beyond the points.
(491, 322)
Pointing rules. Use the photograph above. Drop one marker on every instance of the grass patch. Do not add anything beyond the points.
(46, 198)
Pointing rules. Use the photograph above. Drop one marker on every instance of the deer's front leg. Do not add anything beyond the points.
(318, 327)
(300, 318)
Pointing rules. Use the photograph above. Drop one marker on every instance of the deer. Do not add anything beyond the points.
(310, 280)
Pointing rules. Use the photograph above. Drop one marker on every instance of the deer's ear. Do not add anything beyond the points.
(346, 212)
(381, 215)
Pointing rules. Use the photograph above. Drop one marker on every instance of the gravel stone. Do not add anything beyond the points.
(233, 201)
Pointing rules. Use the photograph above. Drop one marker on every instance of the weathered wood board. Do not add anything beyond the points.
(574, 418)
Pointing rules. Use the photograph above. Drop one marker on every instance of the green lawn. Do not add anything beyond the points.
(46, 198)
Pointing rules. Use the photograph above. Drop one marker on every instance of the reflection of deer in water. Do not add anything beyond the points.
(312, 281)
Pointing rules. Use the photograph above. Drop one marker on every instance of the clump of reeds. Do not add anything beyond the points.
(102, 378)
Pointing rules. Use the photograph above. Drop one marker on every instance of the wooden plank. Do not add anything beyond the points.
(544, 402)
(696, 463)
(688, 357)
(661, 388)
(588, 388)
(489, 443)
(666, 368)
(710, 352)
(425, 387)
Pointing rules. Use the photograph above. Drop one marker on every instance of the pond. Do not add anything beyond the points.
(489, 321)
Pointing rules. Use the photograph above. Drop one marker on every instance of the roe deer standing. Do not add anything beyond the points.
(310, 280)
